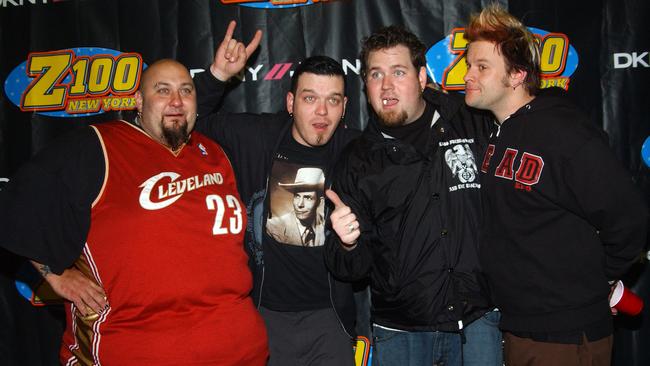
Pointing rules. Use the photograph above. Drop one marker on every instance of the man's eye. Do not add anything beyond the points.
(376, 75)
(186, 91)
(335, 101)
(309, 99)
(163, 91)
(400, 73)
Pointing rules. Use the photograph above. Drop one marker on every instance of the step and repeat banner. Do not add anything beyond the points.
(69, 63)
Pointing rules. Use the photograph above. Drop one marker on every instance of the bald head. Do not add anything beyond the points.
(166, 102)
(166, 65)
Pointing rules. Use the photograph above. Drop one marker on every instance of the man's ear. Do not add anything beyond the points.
(138, 101)
(290, 98)
(517, 78)
(422, 77)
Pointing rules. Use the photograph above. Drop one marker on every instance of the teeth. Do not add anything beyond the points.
(385, 101)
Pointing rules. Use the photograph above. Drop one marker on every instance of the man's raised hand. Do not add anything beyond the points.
(231, 55)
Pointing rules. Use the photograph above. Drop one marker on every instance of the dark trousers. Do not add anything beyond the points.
(524, 351)
(309, 338)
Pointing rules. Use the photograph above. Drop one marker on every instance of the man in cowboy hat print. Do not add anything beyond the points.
(304, 225)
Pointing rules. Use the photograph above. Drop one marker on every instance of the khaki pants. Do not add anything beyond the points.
(527, 352)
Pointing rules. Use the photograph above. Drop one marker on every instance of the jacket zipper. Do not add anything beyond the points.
(266, 189)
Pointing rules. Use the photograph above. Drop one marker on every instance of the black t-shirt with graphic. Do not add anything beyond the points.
(295, 277)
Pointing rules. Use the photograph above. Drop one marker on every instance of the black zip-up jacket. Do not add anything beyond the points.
(562, 218)
(251, 141)
(419, 217)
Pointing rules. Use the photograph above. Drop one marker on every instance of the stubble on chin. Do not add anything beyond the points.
(392, 119)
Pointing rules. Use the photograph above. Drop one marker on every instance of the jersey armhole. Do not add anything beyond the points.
(106, 167)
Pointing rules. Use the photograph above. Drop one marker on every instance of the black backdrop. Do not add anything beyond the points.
(611, 93)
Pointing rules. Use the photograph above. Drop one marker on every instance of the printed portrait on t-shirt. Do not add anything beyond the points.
(296, 205)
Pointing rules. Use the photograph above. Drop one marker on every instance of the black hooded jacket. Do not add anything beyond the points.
(562, 217)
(419, 217)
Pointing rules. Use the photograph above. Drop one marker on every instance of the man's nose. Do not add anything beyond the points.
(387, 82)
(321, 108)
(176, 99)
(469, 74)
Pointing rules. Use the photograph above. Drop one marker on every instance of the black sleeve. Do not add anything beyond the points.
(45, 208)
(209, 92)
(231, 130)
(611, 202)
(355, 264)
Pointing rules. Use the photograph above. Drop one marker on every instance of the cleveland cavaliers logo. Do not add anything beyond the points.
(165, 188)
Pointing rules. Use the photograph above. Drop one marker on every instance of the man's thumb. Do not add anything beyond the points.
(334, 198)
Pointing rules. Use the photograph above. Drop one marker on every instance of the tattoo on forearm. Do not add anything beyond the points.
(44, 269)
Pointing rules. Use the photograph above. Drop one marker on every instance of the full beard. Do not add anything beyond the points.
(176, 134)
(392, 119)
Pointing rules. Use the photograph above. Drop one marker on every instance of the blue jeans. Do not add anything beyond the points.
(482, 347)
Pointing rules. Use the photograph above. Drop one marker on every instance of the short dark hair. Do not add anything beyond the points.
(388, 37)
(318, 65)
(515, 42)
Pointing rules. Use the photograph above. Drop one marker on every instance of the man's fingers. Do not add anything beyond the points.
(340, 213)
(229, 32)
(94, 307)
(88, 296)
(94, 299)
(349, 220)
(336, 200)
(81, 306)
(99, 298)
(349, 239)
(231, 50)
(86, 310)
(239, 53)
(252, 46)
(352, 226)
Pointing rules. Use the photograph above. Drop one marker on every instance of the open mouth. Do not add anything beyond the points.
(174, 117)
(389, 102)
(320, 126)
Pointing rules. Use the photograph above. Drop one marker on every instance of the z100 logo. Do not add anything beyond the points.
(446, 59)
(273, 4)
(74, 83)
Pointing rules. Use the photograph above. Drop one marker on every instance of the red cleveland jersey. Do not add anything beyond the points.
(166, 244)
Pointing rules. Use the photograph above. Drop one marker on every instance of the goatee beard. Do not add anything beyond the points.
(176, 135)
(392, 119)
